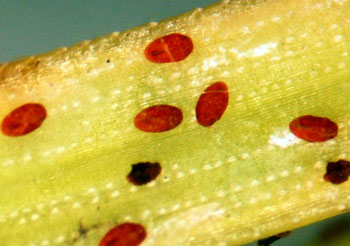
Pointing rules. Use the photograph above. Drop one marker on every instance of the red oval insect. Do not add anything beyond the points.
(212, 104)
(127, 234)
(170, 48)
(23, 120)
(158, 118)
(313, 129)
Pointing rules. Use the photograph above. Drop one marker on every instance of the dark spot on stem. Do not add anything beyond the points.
(268, 241)
(82, 230)
(144, 172)
(337, 172)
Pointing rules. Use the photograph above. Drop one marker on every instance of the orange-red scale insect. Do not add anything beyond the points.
(212, 104)
(23, 120)
(313, 129)
(127, 234)
(170, 48)
(158, 118)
